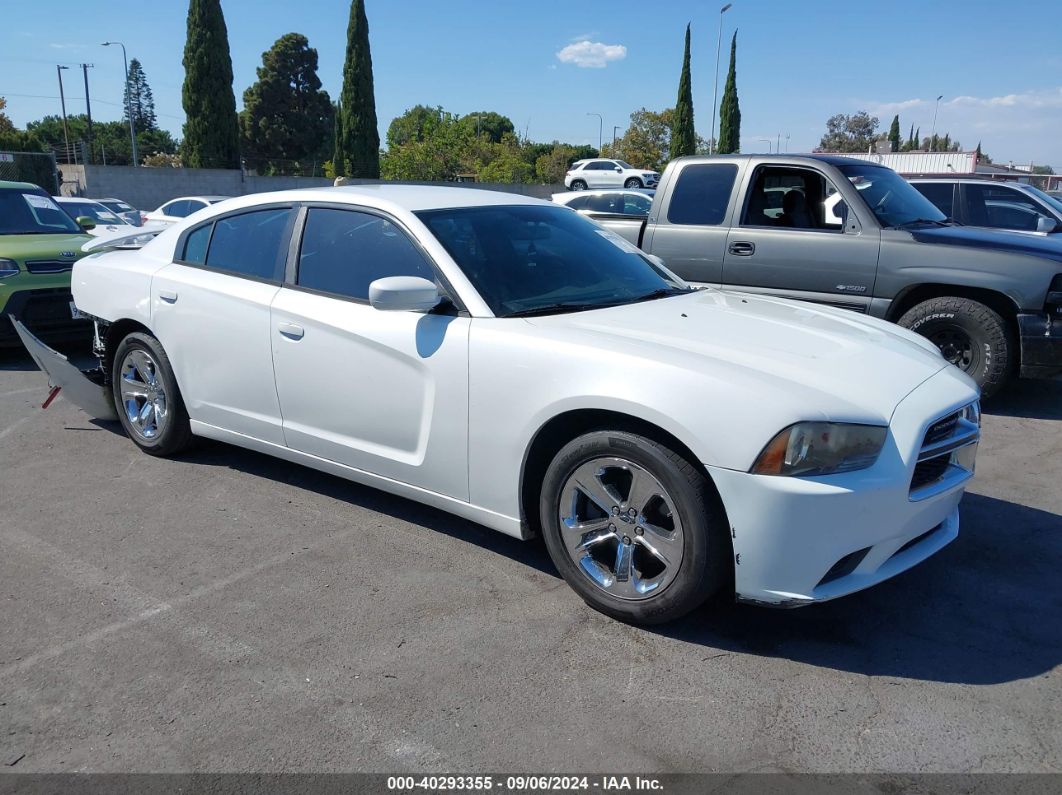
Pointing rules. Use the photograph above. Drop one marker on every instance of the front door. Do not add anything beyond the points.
(793, 239)
(383, 392)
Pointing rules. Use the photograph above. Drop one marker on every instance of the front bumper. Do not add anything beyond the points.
(803, 540)
(1041, 344)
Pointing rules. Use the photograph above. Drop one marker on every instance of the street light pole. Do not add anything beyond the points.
(88, 110)
(128, 101)
(933, 136)
(600, 129)
(62, 103)
(614, 139)
(768, 140)
(715, 88)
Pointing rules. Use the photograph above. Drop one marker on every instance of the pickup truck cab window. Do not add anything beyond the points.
(790, 198)
(702, 194)
(344, 251)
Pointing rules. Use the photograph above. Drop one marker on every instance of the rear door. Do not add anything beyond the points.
(210, 311)
(690, 235)
(383, 392)
(799, 251)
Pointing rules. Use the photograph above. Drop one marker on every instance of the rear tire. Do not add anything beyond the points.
(633, 182)
(578, 184)
(146, 396)
(972, 336)
(647, 567)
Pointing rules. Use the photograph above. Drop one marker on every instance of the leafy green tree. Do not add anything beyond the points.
(361, 140)
(647, 142)
(729, 109)
(286, 121)
(855, 133)
(211, 129)
(6, 125)
(139, 102)
(110, 143)
(683, 136)
(551, 166)
(37, 170)
(417, 124)
(894, 133)
(488, 123)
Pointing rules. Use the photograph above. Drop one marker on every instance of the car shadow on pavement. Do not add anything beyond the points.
(982, 611)
(217, 454)
(1031, 399)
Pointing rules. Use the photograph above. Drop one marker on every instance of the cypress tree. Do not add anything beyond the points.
(911, 144)
(211, 130)
(683, 137)
(978, 156)
(339, 165)
(730, 111)
(894, 134)
(360, 136)
(918, 138)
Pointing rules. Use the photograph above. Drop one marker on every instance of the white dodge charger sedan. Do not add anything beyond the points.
(506, 360)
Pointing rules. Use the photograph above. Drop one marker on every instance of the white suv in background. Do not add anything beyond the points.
(604, 173)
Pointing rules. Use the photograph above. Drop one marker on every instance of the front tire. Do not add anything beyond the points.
(635, 529)
(970, 335)
(633, 182)
(578, 184)
(146, 396)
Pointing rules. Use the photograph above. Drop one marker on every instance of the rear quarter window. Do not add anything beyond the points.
(702, 194)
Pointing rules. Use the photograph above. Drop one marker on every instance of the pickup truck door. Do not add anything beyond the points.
(811, 247)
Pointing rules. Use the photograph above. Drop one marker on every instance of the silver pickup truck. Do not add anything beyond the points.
(855, 235)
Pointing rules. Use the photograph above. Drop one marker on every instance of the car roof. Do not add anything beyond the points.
(833, 160)
(9, 185)
(74, 200)
(423, 197)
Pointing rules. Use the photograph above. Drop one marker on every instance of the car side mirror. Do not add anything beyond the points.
(85, 222)
(1045, 224)
(404, 294)
(619, 170)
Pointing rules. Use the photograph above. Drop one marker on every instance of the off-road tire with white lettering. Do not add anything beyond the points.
(992, 354)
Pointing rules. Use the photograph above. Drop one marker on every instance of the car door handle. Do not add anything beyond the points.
(168, 296)
(742, 249)
(291, 330)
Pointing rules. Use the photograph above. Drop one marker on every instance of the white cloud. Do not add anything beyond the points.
(591, 54)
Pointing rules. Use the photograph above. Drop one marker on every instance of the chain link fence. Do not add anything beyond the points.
(37, 168)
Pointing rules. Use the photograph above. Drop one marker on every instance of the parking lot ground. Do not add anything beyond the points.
(225, 611)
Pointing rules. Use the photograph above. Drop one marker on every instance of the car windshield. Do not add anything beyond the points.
(891, 198)
(28, 213)
(1046, 198)
(118, 207)
(526, 259)
(96, 212)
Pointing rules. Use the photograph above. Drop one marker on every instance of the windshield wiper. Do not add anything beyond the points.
(663, 292)
(946, 222)
(556, 309)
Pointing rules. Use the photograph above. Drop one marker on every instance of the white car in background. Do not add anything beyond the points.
(123, 210)
(635, 202)
(178, 209)
(608, 173)
(507, 360)
(106, 222)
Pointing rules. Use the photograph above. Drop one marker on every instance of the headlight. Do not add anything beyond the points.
(972, 413)
(821, 448)
(8, 267)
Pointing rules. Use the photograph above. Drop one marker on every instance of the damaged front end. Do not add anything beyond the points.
(88, 389)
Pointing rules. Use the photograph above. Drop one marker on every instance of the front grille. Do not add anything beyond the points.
(929, 471)
(49, 266)
(46, 309)
(941, 429)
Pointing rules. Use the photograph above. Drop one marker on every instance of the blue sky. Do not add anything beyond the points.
(798, 62)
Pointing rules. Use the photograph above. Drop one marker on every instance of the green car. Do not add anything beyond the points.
(39, 244)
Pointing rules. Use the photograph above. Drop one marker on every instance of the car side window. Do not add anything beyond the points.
(251, 244)
(194, 207)
(177, 209)
(942, 194)
(579, 203)
(701, 194)
(344, 251)
(792, 198)
(636, 205)
(195, 245)
(1001, 207)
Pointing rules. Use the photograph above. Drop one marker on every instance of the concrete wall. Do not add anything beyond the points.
(147, 188)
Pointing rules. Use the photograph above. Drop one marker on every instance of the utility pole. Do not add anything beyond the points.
(600, 129)
(933, 135)
(614, 139)
(128, 97)
(62, 103)
(88, 108)
(715, 88)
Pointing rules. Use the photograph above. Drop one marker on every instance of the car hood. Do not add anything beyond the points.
(1049, 246)
(31, 247)
(844, 364)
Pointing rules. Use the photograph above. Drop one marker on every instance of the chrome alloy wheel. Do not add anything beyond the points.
(621, 528)
(143, 394)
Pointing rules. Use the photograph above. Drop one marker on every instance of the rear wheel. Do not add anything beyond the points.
(634, 528)
(146, 396)
(970, 335)
(633, 182)
(578, 184)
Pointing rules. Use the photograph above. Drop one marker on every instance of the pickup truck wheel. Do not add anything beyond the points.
(636, 529)
(146, 396)
(970, 335)
(578, 184)
(633, 182)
